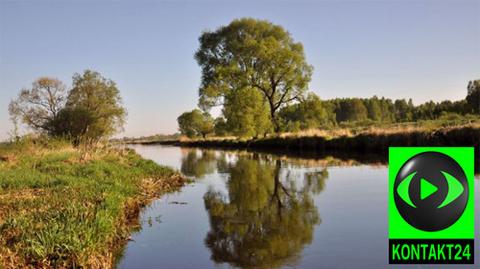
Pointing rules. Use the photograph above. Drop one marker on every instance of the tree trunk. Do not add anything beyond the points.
(276, 126)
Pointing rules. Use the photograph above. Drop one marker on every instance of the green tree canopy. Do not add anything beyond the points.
(307, 114)
(254, 54)
(350, 110)
(403, 110)
(247, 113)
(374, 109)
(101, 98)
(195, 123)
(72, 123)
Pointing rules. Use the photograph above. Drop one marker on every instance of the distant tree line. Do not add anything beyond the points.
(313, 113)
(88, 112)
(258, 74)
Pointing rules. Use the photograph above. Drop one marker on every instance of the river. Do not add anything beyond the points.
(258, 210)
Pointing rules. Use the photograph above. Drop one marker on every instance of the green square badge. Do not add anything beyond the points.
(431, 205)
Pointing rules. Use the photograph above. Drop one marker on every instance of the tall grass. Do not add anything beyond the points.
(64, 207)
(372, 141)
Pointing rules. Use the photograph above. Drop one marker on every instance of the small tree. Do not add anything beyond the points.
(403, 112)
(357, 110)
(473, 97)
(101, 98)
(39, 106)
(195, 123)
(374, 109)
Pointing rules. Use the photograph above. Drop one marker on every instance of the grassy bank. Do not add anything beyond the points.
(375, 140)
(63, 207)
(341, 142)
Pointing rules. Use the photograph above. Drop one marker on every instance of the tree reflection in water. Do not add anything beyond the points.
(268, 216)
(198, 163)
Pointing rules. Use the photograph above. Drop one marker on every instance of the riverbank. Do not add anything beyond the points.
(375, 141)
(64, 207)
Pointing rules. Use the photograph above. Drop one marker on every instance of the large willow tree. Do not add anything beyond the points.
(256, 54)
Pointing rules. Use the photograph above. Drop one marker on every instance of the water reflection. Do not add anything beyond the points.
(263, 210)
(267, 215)
(198, 163)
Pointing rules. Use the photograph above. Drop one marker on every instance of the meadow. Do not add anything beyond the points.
(72, 207)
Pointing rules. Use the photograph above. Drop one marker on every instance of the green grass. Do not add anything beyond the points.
(63, 207)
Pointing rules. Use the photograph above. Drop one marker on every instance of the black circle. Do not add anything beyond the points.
(426, 215)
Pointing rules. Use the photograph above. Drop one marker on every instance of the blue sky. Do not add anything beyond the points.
(425, 50)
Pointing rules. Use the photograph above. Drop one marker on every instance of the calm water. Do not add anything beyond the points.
(247, 210)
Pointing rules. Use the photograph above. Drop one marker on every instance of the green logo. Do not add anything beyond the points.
(431, 205)
(454, 189)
